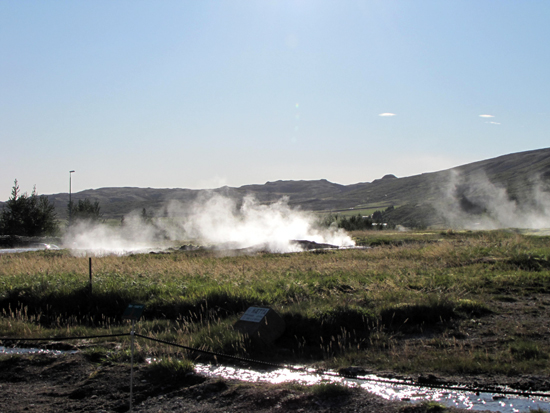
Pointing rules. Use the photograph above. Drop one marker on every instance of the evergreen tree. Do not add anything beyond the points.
(27, 215)
(145, 218)
(85, 210)
(355, 222)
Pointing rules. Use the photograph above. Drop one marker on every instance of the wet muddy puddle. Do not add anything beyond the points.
(16, 350)
(383, 387)
(388, 389)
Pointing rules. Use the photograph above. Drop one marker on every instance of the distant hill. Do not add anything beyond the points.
(417, 199)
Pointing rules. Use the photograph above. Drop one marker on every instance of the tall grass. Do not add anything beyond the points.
(352, 305)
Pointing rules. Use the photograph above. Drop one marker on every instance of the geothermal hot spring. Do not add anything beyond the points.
(217, 222)
(220, 222)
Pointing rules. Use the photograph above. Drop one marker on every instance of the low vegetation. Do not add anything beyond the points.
(170, 369)
(441, 302)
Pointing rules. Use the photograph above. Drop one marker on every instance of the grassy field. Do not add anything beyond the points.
(442, 302)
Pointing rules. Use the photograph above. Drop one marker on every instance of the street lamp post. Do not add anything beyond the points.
(70, 200)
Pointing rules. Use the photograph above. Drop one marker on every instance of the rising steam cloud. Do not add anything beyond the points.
(214, 220)
(274, 226)
(476, 203)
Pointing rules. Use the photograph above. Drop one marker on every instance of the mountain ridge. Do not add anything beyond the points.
(517, 173)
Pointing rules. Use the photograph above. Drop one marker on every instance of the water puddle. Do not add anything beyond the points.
(452, 398)
(388, 389)
(37, 247)
(140, 249)
(16, 350)
(120, 252)
(81, 252)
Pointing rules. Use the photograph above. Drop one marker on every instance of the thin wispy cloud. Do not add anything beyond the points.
(387, 114)
(494, 123)
(486, 116)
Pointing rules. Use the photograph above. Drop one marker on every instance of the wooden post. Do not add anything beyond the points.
(133, 312)
(90, 267)
(132, 365)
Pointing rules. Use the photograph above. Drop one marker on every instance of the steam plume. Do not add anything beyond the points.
(477, 203)
(215, 220)
(219, 221)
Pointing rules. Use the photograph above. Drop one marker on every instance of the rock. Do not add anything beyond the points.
(352, 371)
(189, 247)
(312, 245)
(59, 345)
(429, 379)
(261, 323)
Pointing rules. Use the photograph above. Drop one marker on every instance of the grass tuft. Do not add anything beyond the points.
(527, 350)
(171, 369)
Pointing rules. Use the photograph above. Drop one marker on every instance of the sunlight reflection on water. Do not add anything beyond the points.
(390, 391)
(15, 350)
(41, 247)
(371, 383)
(97, 252)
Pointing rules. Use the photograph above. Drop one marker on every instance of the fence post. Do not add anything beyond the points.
(90, 268)
(133, 312)
(132, 365)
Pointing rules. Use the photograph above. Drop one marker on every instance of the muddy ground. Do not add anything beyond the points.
(78, 383)
(73, 383)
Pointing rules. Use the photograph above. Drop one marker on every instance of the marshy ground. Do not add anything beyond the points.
(458, 306)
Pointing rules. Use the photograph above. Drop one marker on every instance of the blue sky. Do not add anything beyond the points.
(201, 94)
